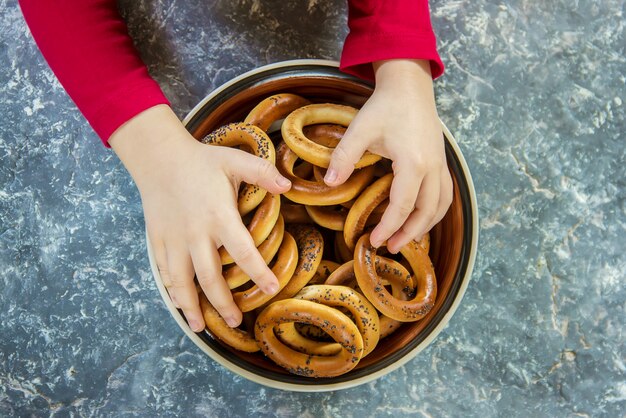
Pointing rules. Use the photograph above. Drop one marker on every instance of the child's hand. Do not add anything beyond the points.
(189, 196)
(400, 122)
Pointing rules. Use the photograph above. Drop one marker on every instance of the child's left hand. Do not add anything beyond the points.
(400, 122)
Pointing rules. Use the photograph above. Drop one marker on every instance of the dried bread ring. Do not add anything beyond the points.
(289, 335)
(363, 312)
(334, 217)
(330, 320)
(313, 114)
(307, 332)
(328, 135)
(294, 213)
(392, 273)
(312, 332)
(236, 277)
(234, 337)
(331, 217)
(373, 287)
(368, 200)
(261, 225)
(235, 134)
(310, 249)
(283, 269)
(274, 108)
(309, 192)
(324, 270)
(318, 175)
(303, 170)
(402, 287)
(343, 276)
(325, 134)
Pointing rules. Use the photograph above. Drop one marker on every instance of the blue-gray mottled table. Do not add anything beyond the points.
(533, 93)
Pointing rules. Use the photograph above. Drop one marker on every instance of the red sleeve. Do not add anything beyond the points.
(87, 46)
(381, 30)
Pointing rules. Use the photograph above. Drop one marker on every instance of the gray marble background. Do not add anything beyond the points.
(534, 93)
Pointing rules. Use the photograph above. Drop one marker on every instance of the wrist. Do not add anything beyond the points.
(402, 74)
(148, 143)
(406, 79)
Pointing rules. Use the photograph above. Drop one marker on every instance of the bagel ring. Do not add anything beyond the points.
(364, 313)
(402, 287)
(394, 273)
(309, 334)
(274, 108)
(261, 225)
(330, 217)
(313, 114)
(309, 192)
(373, 287)
(283, 269)
(236, 277)
(236, 338)
(310, 245)
(330, 320)
(357, 216)
(289, 335)
(324, 270)
(325, 134)
(294, 213)
(235, 134)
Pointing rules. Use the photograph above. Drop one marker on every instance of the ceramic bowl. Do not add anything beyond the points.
(453, 240)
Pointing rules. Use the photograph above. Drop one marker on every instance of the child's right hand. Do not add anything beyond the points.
(189, 196)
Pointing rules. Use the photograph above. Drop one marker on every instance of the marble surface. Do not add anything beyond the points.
(534, 94)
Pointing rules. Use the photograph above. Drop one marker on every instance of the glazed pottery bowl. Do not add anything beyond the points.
(453, 240)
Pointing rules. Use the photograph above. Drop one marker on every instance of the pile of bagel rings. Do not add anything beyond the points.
(338, 295)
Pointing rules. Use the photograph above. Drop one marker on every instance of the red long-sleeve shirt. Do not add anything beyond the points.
(87, 46)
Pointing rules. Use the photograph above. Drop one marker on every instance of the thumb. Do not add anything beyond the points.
(347, 153)
(258, 171)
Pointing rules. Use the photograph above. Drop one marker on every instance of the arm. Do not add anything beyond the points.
(89, 50)
(394, 44)
(388, 30)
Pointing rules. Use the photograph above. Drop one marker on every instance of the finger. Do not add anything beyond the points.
(160, 258)
(425, 211)
(206, 262)
(240, 246)
(183, 290)
(402, 198)
(445, 199)
(258, 171)
(347, 153)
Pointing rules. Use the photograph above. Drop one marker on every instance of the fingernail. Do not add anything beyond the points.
(231, 321)
(376, 242)
(271, 288)
(283, 182)
(394, 248)
(195, 325)
(331, 175)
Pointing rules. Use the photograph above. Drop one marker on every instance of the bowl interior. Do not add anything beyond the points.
(450, 239)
